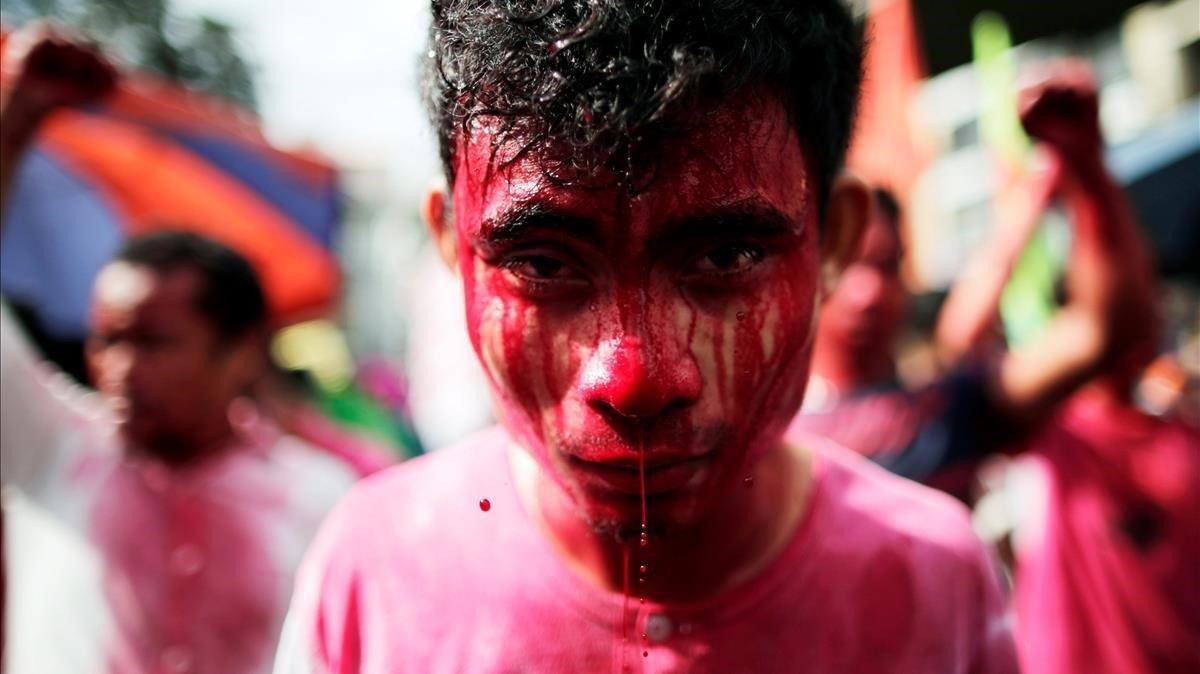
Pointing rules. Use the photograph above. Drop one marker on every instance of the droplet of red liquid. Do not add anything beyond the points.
(645, 539)
(741, 315)
(485, 505)
(645, 654)
(643, 568)
(748, 480)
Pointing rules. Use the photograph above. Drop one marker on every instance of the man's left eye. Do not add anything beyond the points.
(539, 268)
(727, 260)
(543, 275)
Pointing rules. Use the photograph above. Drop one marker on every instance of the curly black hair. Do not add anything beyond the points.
(584, 81)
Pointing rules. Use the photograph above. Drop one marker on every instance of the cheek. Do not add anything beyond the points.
(753, 350)
(530, 352)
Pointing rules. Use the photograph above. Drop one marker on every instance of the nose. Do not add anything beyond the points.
(629, 378)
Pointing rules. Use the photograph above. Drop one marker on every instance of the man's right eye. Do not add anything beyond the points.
(536, 267)
(543, 274)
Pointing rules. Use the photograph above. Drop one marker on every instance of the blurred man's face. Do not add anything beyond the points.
(158, 359)
(867, 306)
(676, 321)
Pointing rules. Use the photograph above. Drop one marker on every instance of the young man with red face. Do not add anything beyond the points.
(644, 207)
(150, 527)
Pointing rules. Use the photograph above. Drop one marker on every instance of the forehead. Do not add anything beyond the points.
(140, 292)
(742, 151)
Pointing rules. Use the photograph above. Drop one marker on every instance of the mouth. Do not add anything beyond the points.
(625, 477)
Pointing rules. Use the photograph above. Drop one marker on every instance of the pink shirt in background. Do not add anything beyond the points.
(411, 575)
(1112, 584)
(123, 565)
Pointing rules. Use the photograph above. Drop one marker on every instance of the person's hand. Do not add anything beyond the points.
(58, 71)
(1061, 109)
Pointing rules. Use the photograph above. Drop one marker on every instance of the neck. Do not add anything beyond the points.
(737, 541)
(180, 451)
(849, 369)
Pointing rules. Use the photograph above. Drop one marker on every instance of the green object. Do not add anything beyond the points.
(999, 122)
(1027, 303)
(353, 408)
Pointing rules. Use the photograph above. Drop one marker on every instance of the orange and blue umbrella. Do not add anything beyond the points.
(153, 156)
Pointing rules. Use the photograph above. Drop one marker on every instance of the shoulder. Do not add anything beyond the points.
(420, 501)
(437, 477)
(882, 513)
(386, 549)
(909, 550)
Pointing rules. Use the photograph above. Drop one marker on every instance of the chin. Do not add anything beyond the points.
(619, 514)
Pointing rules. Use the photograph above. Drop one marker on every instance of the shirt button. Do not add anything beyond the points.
(658, 627)
(187, 560)
(177, 660)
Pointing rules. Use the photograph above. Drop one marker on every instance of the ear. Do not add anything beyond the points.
(436, 211)
(249, 357)
(846, 217)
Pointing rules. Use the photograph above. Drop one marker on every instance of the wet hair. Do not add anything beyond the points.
(231, 297)
(582, 82)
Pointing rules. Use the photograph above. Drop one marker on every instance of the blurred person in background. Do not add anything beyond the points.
(1108, 568)
(154, 526)
(643, 202)
(939, 433)
(855, 395)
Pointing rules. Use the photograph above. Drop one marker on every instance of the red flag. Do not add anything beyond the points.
(888, 148)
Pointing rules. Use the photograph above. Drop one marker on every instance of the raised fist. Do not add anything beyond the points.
(57, 71)
(1061, 109)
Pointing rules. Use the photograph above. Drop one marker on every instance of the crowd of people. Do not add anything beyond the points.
(705, 461)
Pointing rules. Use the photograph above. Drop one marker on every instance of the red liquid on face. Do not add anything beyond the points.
(720, 358)
(644, 539)
(748, 481)
(625, 608)
(642, 483)
(485, 505)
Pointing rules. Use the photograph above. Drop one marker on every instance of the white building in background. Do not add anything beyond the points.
(1148, 68)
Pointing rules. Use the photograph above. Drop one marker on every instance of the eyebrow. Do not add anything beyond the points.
(529, 220)
(745, 218)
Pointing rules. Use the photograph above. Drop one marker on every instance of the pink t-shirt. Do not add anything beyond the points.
(410, 575)
(1112, 583)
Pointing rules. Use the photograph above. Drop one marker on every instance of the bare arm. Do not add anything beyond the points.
(36, 406)
(970, 312)
(55, 72)
(1109, 280)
